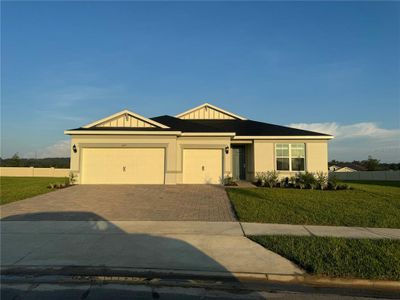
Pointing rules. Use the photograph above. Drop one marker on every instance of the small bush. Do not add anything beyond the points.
(260, 178)
(51, 186)
(284, 182)
(321, 180)
(72, 178)
(332, 183)
(343, 186)
(302, 180)
(271, 178)
(306, 180)
(229, 181)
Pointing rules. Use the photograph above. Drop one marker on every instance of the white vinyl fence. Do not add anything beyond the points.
(367, 175)
(33, 172)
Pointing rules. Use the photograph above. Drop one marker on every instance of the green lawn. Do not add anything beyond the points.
(371, 205)
(18, 188)
(338, 257)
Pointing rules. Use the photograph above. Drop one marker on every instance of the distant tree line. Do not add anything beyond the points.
(16, 161)
(370, 164)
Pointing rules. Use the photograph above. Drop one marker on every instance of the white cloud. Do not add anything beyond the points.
(357, 141)
(59, 149)
(365, 129)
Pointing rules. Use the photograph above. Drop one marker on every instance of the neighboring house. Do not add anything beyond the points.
(345, 169)
(333, 168)
(202, 145)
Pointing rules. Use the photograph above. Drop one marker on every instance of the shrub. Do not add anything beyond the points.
(332, 183)
(229, 181)
(293, 181)
(284, 182)
(321, 180)
(260, 178)
(343, 186)
(306, 180)
(72, 178)
(271, 178)
(51, 186)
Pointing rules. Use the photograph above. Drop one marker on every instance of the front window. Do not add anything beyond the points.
(290, 157)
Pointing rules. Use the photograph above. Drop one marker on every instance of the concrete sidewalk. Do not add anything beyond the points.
(315, 230)
(216, 247)
(174, 246)
(193, 228)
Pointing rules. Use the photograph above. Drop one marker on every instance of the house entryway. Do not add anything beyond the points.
(238, 162)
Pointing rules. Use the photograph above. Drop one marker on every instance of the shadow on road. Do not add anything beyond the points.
(38, 244)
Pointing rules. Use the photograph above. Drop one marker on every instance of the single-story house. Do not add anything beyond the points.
(345, 169)
(333, 168)
(202, 145)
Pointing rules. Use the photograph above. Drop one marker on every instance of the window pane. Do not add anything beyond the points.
(282, 150)
(282, 164)
(298, 150)
(297, 164)
(297, 153)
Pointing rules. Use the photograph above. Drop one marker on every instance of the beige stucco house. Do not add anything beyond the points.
(199, 146)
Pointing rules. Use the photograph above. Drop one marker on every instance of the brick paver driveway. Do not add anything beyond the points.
(126, 203)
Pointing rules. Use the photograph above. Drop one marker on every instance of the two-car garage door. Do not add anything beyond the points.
(123, 165)
(147, 166)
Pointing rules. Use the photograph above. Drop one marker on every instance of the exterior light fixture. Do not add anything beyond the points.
(74, 148)
(226, 150)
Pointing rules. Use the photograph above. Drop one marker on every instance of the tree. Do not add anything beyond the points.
(372, 164)
(16, 160)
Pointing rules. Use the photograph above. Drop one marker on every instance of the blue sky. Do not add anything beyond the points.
(332, 66)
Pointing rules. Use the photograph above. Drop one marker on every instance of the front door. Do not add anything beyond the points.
(238, 163)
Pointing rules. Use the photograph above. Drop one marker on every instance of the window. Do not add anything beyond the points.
(290, 157)
(282, 157)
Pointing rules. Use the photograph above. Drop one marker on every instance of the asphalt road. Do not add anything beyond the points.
(53, 287)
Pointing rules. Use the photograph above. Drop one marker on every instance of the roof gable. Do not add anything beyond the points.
(207, 111)
(126, 119)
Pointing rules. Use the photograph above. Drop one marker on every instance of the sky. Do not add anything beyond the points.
(332, 67)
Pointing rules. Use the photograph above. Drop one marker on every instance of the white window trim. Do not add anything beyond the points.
(290, 157)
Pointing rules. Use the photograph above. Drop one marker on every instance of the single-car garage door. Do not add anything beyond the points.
(202, 166)
(123, 166)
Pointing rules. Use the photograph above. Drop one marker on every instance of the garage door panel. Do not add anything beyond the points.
(202, 166)
(123, 166)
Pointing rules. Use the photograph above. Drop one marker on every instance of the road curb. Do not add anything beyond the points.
(120, 274)
(335, 282)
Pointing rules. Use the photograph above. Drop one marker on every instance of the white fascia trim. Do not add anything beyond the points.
(208, 134)
(324, 137)
(212, 106)
(120, 132)
(125, 111)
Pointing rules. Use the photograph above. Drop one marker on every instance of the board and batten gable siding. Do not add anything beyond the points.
(316, 155)
(126, 121)
(206, 113)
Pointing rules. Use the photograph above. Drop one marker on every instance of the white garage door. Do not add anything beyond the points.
(202, 166)
(123, 165)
